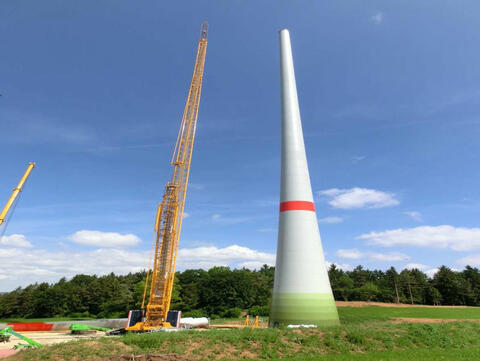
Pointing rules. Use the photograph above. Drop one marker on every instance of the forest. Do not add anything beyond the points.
(222, 292)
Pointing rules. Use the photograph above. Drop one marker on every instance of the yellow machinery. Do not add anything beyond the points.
(168, 222)
(15, 193)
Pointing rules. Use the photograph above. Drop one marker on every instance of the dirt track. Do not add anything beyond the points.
(46, 338)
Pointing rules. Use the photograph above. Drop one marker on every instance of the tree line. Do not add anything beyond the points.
(222, 292)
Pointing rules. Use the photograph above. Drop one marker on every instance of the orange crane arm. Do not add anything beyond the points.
(15, 193)
(169, 218)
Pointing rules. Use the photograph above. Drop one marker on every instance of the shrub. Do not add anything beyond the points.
(195, 313)
(259, 311)
(80, 314)
(232, 313)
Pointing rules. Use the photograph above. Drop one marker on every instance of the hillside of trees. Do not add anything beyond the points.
(221, 292)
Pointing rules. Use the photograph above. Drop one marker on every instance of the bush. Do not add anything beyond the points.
(232, 313)
(80, 315)
(259, 311)
(195, 313)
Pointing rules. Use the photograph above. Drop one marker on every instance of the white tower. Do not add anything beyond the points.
(302, 292)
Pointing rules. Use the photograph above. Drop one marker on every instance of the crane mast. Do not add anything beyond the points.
(15, 193)
(169, 217)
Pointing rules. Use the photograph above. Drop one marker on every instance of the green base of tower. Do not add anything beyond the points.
(303, 308)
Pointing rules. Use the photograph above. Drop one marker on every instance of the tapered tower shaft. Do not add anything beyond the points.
(302, 292)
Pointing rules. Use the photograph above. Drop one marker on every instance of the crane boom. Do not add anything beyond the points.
(169, 218)
(15, 193)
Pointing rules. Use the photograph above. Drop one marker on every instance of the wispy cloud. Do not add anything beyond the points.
(417, 216)
(357, 158)
(444, 236)
(115, 148)
(373, 256)
(196, 186)
(219, 218)
(359, 198)
(267, 230)
(331, 220)
(28, 128)
(377, 18)
(472, 260)
(458, 98)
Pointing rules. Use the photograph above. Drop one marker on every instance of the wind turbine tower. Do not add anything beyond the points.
(301, 292)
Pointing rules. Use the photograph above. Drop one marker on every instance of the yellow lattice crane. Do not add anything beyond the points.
(15, 193)
(169, 217)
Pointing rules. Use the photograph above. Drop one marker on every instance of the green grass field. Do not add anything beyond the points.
(375, 313)
(365, 334)
(419, 354)
(347, 314)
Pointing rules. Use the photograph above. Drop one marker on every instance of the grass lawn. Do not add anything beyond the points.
(349, 315)
(356, 341)
(470, 354)
(376, 313)
(365, 334)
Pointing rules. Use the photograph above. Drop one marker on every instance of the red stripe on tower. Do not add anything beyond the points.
(297, 206)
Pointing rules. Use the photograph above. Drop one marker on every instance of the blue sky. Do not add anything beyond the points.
(93, 91)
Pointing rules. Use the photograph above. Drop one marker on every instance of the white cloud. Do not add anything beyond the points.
(331, 220)
(359, 198)
(431, 272)
(377, 18)
(104, 239)
(15, 240)
(354, 253)
(228, 254)
(417, 216)
(387, 257)
(472, 260)
(252, 265)
(48, 266)
(186, 215)
(445, 236)
(418, 266)
(349, 253)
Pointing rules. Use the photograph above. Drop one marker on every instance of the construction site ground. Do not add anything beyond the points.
(365, 328)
